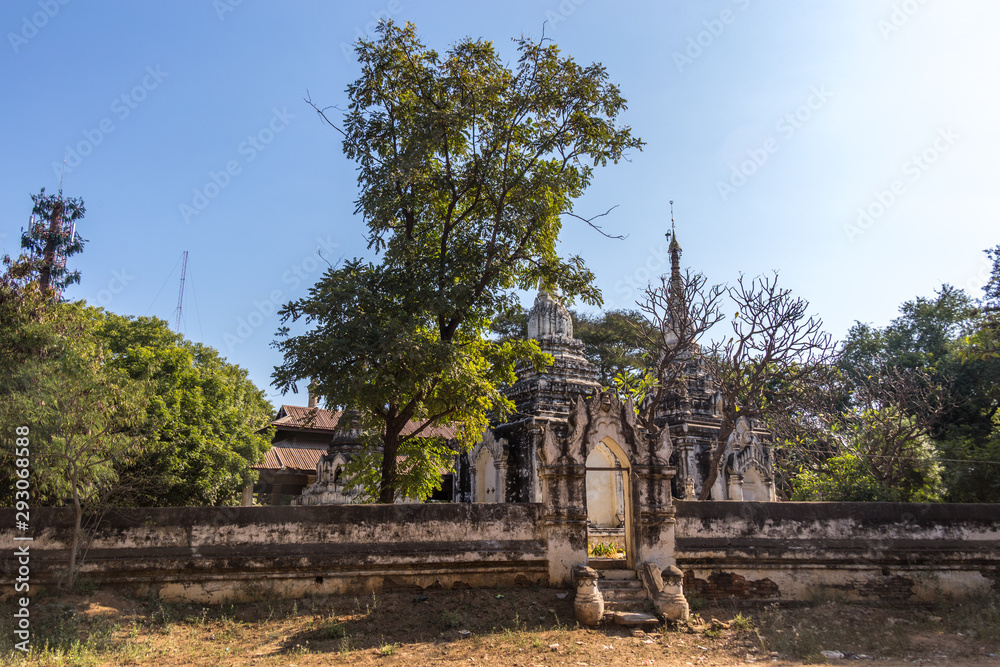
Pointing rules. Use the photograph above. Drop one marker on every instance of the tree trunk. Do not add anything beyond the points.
(390, 448)
(714, 463)
(74, 546)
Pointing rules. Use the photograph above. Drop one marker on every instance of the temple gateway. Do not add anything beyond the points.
(552, 405)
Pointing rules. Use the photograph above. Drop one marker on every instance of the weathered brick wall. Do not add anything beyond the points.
(213, 554)
(804, 550)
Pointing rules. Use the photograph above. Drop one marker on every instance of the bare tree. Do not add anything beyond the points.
(773, 349)
(678, 312)
(805, 433)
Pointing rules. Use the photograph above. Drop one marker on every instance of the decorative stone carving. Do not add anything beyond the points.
(328, 489)
(496, 449)
(548, 317)
(588, 607)
(549, 393)
(604, 415)
(747, 452)
(666, 587)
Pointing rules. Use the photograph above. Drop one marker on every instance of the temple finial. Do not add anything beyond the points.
(673, 229)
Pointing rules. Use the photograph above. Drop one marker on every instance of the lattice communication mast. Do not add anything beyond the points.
(180, 293)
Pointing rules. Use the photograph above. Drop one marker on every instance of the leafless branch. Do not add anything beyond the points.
(590, 221)
(774, 347)
(678, 316)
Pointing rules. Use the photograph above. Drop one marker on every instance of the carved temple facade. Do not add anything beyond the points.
(568, 445)
(507, 465)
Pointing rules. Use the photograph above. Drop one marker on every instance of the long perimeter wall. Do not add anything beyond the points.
(807, 550)
(783, 551)
(214, 554)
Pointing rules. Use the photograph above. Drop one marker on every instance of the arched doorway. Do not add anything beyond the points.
(754, 487)
(608, 497)
(486, 478)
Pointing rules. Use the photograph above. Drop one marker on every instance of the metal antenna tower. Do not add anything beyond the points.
(180, 293)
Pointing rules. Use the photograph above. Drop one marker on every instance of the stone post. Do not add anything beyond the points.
(735, 487)
(564, 488)
(654, 515)
(671, 603)
(588, 607)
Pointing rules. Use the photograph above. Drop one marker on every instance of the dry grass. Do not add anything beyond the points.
(490, 627)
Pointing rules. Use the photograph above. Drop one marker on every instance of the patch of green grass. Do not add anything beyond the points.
(86, 586)
(331, 629)
(388, 649)
(742, 623)
(977, 617)
(61, 635)
(602, 550)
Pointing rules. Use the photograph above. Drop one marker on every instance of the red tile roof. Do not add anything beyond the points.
(303, 458)
(299, 417)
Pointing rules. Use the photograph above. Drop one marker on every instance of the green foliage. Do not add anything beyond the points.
(605, 550)
(83, 416)
(511, 324)
(634, 386)
(465, 169)
(374, 350)
(971, 470)
(207, 423)
(842, 478)
(422, 463)
(134, 408)
(612, 343)
(388, 649)
(948, 338)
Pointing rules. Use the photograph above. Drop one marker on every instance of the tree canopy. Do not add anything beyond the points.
(612, 343)
(208, 424)
(466, 170)
(931, 338)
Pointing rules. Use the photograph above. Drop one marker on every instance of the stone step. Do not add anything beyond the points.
(604, 564)
(631, 606)
(624, 594)
(632, 619)
(618, 574)
(620, 583)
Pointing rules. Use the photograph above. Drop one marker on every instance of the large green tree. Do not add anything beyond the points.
(931, 337)
(612, 342)
(133, 412)
(207, 424)
(76, 419)
(467, 168)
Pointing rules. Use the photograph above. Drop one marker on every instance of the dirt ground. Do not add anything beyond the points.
(522, 627)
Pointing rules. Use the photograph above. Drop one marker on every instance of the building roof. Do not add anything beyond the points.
(299, 418)
(302, 459)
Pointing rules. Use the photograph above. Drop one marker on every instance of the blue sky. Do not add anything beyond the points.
(851, 145)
